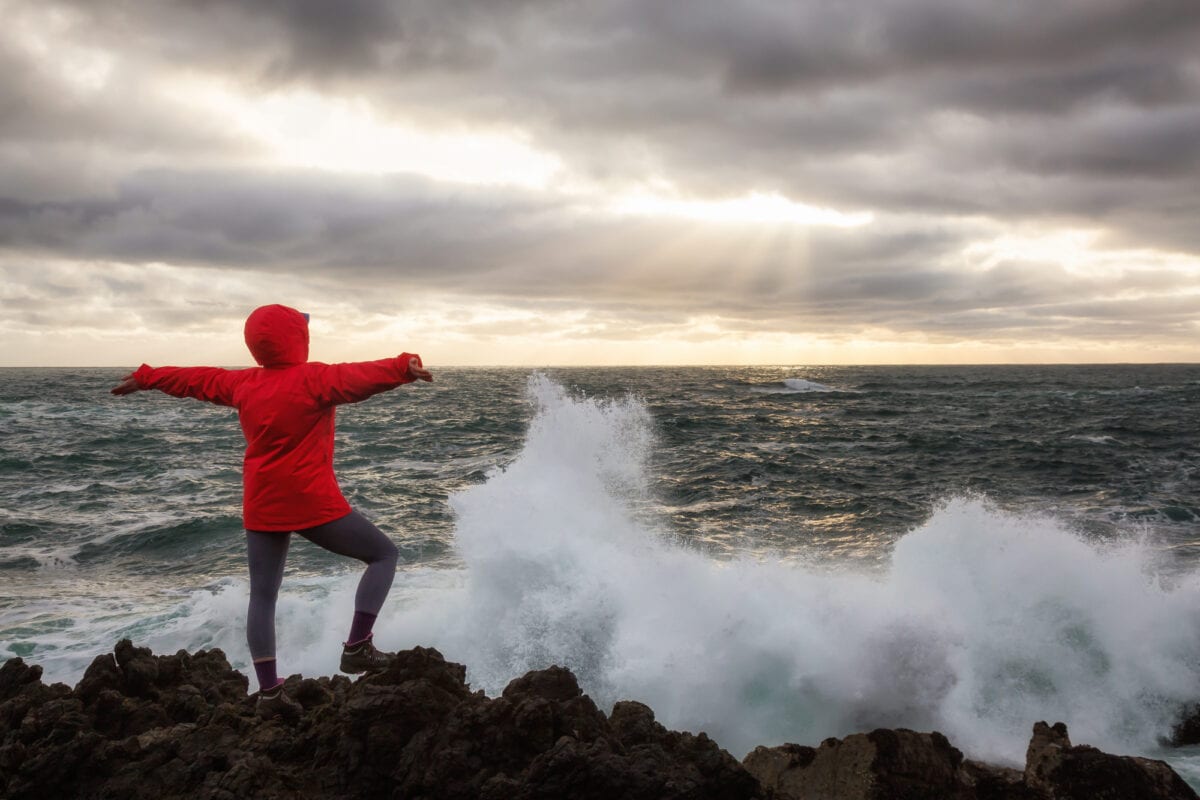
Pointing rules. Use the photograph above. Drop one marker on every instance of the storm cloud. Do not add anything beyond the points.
(956, 125)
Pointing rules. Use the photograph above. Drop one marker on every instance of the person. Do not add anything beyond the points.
(286, 409)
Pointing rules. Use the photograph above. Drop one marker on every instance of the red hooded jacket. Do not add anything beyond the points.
(286, 408)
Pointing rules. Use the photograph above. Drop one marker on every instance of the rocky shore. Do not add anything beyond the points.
(182, 726)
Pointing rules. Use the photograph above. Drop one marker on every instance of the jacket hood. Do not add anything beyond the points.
(277, 336)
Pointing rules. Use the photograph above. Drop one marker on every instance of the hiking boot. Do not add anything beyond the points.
(274, 703)
(363, 657)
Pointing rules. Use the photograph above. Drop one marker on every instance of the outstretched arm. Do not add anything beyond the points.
(128, 385)
(417, 371)
(335, 384)
(211, 384)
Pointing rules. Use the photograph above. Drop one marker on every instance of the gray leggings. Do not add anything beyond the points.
(352, 536)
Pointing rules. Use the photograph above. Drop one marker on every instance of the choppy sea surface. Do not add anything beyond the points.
(768, 554)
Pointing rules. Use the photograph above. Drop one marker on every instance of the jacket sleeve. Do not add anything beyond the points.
(335, 384)
(211, 384)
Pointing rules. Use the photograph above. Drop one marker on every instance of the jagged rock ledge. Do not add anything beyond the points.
(182, 726)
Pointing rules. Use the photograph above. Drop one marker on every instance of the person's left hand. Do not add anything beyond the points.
(417, 371)
(128, 385)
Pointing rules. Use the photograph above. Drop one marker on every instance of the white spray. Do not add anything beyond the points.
(984, 623)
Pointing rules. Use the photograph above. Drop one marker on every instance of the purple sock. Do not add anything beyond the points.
(360, 628)
(265, 670)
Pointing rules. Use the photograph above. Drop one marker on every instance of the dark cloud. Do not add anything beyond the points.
(723, 98)
(775, 46)
(1134, 81)
(274, 42)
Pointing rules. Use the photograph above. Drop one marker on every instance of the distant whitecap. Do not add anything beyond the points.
(793, 386)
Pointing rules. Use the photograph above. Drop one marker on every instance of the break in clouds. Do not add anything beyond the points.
(1029, 170)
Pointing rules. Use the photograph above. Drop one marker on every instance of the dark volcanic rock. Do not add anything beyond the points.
(879, 765)
(145, 726)
(181, 726)
(905, 765)
(1186, 732)
(1064, 772)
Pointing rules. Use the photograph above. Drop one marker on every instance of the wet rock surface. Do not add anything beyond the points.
(174, 726)
(906, 765)
(1187, 732)
(144, 726)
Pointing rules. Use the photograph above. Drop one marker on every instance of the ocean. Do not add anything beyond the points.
(767, 554)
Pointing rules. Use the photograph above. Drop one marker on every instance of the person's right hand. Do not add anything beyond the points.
(128, 385)
(417, 371)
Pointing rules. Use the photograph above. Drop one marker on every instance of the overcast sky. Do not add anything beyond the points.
(602, 181)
